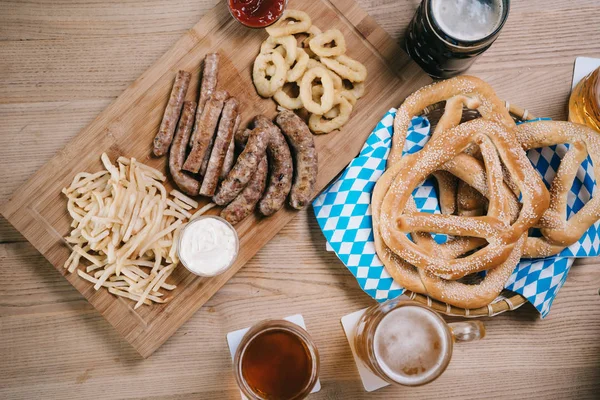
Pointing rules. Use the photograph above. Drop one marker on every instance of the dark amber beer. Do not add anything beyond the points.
(446, 36)
(276, 360)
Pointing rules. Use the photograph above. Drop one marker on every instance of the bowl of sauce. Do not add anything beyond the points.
(208, 246)
(256, 13)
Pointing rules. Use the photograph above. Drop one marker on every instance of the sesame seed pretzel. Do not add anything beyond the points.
(557, 231)
(463, 91)
(495, 227)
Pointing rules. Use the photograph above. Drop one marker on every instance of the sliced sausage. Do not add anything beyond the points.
(164, 137)
(184, 182)
(230, 156)
(206, 131)
(244, 168)
(219, 149)
(305, 154)
(210, 73)
(245, 202)
(280, 166)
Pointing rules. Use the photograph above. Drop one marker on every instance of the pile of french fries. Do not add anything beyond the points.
(126, 226)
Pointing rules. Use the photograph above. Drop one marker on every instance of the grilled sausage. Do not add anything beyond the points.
(245, 202)
(280, 166)
(244, 168)
(230, 156)
(306, 162)
(219, 150)
(164, 137)
(184, 182)
(206, 131)
(208, 86)
(241, 137)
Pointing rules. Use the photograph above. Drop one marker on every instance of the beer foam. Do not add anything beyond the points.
(410, 345)
(467, 20)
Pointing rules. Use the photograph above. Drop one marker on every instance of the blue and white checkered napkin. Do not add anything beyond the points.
(344, 214)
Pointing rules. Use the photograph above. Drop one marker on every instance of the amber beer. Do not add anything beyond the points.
(405, 343)
(446, 36)
(276, 360)
(584, 103)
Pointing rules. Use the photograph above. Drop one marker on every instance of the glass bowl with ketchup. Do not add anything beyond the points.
(256, 13)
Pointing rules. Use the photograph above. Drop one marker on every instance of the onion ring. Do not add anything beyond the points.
(295, 73)
(267, 87)
(285, 45)
(319, 124)
(284, 99)
(312, 32)
(317, 44)
(287, 24)
(337, 81)
(306, 91)
(346, 67)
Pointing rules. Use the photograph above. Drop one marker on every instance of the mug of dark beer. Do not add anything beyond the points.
(446, 36)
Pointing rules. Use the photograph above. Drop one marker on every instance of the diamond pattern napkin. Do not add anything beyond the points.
(344, 215)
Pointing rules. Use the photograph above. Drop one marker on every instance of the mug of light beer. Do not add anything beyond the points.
(406, 343)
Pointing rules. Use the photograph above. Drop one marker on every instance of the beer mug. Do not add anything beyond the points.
(446, 36)
(276, 360)
(406, 343)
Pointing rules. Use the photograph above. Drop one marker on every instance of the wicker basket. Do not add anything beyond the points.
(507, 300)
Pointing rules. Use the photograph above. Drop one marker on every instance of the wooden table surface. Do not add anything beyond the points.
(61, 63)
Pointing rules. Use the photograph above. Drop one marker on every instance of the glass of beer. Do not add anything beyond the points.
(584, 103)
(446, 36)
(276, 360)
(406, 343)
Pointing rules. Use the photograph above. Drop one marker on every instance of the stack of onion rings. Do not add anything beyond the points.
(329, 82)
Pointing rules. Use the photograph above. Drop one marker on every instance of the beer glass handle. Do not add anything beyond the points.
(467, 331)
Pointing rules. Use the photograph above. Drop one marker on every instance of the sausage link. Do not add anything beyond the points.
(241, 137)
(206, 131)
(210, 73)
(184, 182)
(244, 168)
(219, 149)
(164, 137)
(230, 156)
(245, 202)
(306, 162)
(281, 169)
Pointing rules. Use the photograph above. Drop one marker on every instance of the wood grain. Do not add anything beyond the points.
(53, 343)
(126, 128)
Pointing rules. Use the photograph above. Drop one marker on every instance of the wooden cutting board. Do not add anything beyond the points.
(126, 127)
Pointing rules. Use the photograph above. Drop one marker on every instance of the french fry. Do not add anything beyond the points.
(123, 220)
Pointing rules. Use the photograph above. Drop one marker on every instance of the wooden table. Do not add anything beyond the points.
(61, 63)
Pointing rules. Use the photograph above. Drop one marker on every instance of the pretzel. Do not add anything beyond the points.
(469, 201)
(464, 167)
(414, 280)
(495, 228)
(557, 231)
(447, 186)
(468, 90)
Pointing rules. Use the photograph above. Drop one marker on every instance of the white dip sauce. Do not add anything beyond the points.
(208, 246)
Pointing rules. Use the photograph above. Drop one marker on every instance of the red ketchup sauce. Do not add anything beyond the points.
(256, 13)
